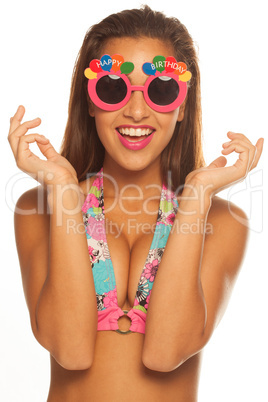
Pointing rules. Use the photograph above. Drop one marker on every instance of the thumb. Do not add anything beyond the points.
(218, 163)
(47, 150)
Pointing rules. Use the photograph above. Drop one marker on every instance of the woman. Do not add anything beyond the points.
(126, 305)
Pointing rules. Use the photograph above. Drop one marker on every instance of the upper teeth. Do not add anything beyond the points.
(135, 132)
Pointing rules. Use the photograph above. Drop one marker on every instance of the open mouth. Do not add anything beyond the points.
(132, 134)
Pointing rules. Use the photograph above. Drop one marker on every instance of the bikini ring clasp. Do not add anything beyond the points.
(119, 331)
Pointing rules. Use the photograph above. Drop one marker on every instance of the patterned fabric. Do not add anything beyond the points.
(103, 272)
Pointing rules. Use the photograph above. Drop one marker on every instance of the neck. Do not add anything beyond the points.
(145, 182)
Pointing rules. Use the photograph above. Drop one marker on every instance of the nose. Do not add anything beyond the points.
(136, 108)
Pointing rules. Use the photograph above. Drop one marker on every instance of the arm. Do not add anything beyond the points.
(66, 311)
(197, 272)
(57, 279)
(54, 260)
(193, 284)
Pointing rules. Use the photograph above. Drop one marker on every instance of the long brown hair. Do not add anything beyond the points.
(81, 144)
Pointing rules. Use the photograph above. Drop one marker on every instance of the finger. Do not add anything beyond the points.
(238, 136)
(30, 138)
(259, 148)
(17, 118)
(237, 146)
(237, 140)
(245, 144)
(246, 154)
(20, 131)
(25, 141)
(47, 150)
(28, 161)
(219, 162)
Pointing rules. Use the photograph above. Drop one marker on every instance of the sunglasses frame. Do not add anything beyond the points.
(143, 88)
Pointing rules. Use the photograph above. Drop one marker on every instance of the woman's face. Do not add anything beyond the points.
(136, 114)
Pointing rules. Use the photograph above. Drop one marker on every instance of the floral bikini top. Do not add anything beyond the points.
(104, 279)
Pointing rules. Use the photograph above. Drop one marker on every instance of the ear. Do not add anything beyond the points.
(91, 111)
(181, 111)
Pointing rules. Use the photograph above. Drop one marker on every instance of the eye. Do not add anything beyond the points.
(111, 89)
(163, 90)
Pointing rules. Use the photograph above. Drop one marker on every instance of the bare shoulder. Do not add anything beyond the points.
(32, 202)
(227, 216)
(31, 223)
(31, 211)
(227, 233)
(32, 215)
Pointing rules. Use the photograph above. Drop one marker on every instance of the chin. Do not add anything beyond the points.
(137, 164)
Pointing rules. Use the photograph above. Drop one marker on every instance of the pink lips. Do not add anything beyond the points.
(137, 145)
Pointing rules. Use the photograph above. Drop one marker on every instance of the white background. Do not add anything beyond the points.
(39, 45)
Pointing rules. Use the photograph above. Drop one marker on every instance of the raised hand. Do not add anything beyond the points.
(55, 169)
(215, 177)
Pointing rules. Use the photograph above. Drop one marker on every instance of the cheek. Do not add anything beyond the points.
(102, 121)
(105, 123)
(102, 129)
(169, 127)
(170, 122)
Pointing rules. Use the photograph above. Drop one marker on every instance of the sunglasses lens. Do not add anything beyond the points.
(111, 89)
(163, 90)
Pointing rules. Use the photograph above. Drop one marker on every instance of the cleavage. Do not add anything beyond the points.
(129, 245)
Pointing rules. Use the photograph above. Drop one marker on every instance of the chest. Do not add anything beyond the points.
(129, 239)
(126, 245)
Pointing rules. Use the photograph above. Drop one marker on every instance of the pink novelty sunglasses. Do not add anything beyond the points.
(111, 91)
